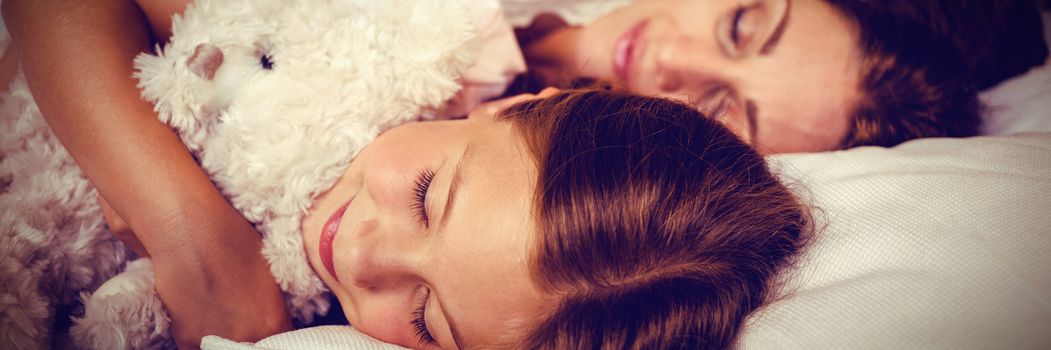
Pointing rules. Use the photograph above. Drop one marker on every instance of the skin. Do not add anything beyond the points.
(475, 267)
(803, 82)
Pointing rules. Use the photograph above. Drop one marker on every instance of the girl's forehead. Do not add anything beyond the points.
(483, 275)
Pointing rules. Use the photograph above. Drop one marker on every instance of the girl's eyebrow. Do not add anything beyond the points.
(457, 338)
(450, 204)
(454, 186)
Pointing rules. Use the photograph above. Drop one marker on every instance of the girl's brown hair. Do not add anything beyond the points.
(657, 227)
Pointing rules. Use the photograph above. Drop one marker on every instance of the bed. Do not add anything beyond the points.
(936, 243)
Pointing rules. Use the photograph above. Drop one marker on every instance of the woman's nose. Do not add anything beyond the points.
(375, 258)
(682, 62)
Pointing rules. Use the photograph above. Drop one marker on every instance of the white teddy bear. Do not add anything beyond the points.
(274, 98)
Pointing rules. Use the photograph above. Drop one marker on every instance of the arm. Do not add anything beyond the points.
(76, 56)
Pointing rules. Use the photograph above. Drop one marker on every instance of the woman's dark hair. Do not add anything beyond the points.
(926, 60)
(657, 227)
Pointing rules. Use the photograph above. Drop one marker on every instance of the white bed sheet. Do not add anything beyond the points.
(937, 243)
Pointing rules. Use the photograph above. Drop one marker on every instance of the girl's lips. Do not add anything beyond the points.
(625, 51)
(328, 234)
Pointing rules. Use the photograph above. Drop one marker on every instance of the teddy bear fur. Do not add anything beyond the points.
(273, 98)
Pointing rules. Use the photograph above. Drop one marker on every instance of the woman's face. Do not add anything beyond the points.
(424, 240)
(784, 74)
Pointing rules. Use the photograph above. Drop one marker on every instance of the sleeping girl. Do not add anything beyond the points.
(572, 220)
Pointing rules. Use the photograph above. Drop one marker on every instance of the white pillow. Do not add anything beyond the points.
(937, 243)
(315, 338)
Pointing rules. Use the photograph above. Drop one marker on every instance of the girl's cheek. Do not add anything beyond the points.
(388, 327)
(390, 166)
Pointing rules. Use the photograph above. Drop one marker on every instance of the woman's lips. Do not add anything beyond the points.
(328, 234)
(625, 51)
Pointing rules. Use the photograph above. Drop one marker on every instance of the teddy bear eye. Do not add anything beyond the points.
(266, 62)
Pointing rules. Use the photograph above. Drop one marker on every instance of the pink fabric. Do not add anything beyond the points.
(499, 60)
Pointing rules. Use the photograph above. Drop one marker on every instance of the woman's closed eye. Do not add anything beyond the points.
(419, 318)
(752, 28)
(742, 31)
(738, 29)
(419, 205)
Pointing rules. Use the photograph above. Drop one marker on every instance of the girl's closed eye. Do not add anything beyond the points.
(422, 185)
(419, 318)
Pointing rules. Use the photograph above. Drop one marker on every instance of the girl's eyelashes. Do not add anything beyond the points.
(419, 205)
(419, 319)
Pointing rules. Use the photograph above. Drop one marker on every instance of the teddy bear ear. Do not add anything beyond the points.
(205, 60)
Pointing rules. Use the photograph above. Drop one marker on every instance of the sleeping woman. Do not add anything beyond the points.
(800, 75)
(579, 219)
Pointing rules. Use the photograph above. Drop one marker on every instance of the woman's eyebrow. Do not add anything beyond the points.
(750, 111)
(775, 36)
(454, 186)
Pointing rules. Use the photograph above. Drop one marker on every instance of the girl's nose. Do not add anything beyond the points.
(375, 259)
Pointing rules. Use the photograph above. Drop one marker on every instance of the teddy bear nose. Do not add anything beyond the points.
(205, 60)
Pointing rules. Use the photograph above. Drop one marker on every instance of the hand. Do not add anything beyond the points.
(217, 282)
(121, 229)
(231, 302)
(491, 108)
